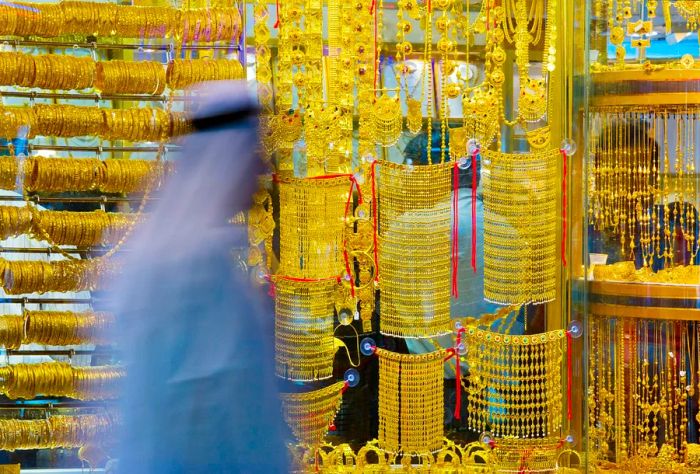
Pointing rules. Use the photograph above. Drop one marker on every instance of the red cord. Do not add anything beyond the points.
(331, 176)
(357, 186)
(455, 231)
(374, 218)
(523, 462)
(371, 7)
(308, 280)
(569, 414)
(474, 223)
(277, 23)
(271, 292)
(564, 222)
(347, 269)
(430, 6)
(451, 352)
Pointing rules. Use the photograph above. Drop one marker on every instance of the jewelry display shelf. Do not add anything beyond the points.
(663, 301)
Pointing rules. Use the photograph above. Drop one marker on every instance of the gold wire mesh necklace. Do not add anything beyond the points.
(515, 383)
(304, 347)
(414, 249)
(312, 214)
(520, 226)
(309, 414)
(411, 405)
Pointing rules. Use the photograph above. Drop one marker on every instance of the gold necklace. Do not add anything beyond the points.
(309, 414)
(515, 383)
(519, 254)
(414, 248)
(411, 405)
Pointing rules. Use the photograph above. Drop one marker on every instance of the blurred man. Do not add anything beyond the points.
(200, 395)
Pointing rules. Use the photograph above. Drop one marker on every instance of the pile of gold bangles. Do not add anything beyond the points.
(126, 21)
(56, 431)
(83, 229)
(59, 120)
(57, 175)
(55, 328)
(67, 72)
(34, 276)
(59, 379)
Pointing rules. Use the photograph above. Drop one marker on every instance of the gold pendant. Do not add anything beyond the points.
(539, 137)
(481, 116)
(414, 116)
(532, 104)
(387, 120)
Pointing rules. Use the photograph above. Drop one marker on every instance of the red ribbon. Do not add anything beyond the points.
(277, 23)
(523, 461)
(474, 224)
(458, 378)
(306, 280)
(430, 6)
(569, 413)
(374, 218)
(347, 269)
(271, 291)
(564, 223)
(372, 6)
(357, 186)
(455, 231)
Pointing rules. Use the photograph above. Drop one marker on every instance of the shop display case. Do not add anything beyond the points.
(93, 96)
(640, 247)
(451, 126)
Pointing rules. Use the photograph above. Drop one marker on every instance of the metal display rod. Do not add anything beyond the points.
(96, 45)
(99, 149)
(97, 97)
(22, 300)
(75, 200)
(58, 352)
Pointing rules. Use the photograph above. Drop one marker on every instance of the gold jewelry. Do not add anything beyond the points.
(64, 328)
(55, 431)
(414, 249)
(22, 276)
(309, 414)
(387, 121)
(304, 345)
(411, 404)
(520, 226)
(60, 379)
(312, 214)
(515, 386)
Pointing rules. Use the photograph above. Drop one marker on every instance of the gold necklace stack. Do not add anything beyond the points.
(414, 249)
(312, 216)
(515, 384)
(58, 379)
(633, 194)
(55, 328)
(411, 405)
(55, 431)
(643, 375)
(304, 346)
(479, 102)
(520, 220)
(309, 414)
